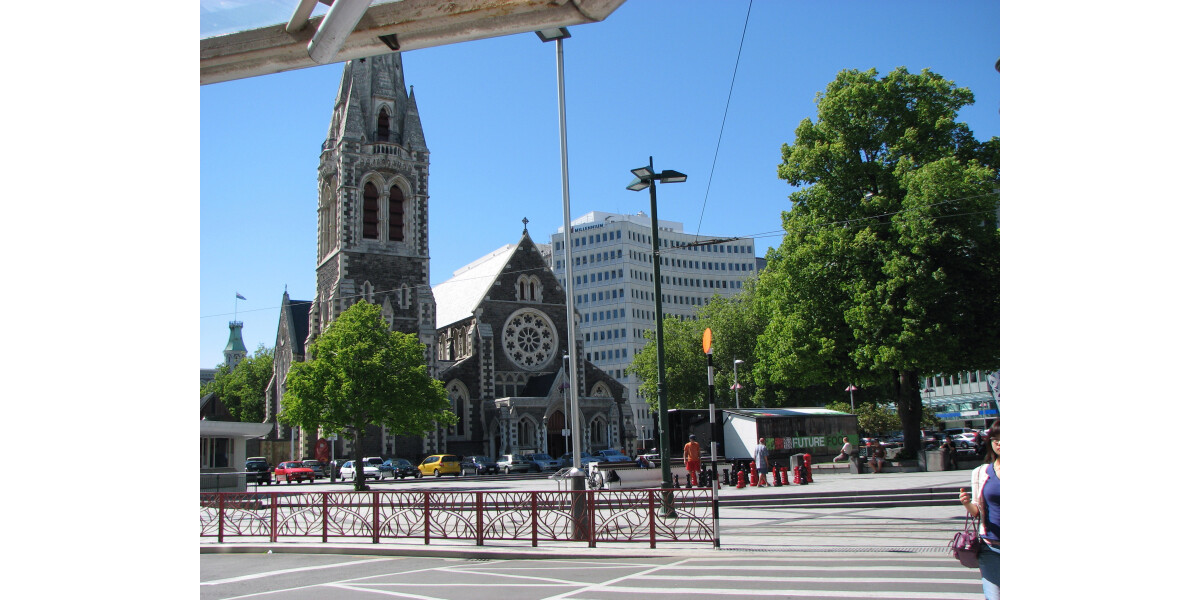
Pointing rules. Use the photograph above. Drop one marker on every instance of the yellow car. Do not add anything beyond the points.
(438, 465)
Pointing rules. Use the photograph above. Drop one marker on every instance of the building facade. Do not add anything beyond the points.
(498, 347)
(502, 334)
(965, 399)
(613, 274)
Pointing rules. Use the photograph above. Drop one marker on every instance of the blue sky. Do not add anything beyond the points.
(651, 80)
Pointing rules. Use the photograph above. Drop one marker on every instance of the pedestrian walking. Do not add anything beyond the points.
(877, 454)
(691, 459)
(760, 461)
(984, 498)
(847, 449)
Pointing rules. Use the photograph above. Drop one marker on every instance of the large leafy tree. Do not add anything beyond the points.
(243, 389)
(735, 326)
(361, 374)
(889, 269)
(687, 381)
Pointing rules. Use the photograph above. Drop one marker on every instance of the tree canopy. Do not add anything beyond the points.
(687, 381)
(243, 390)
(361, 374)
(889, 269)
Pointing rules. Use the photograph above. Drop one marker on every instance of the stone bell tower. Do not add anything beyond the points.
(373, 203)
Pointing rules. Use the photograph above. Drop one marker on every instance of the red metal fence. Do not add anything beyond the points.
(591, 516)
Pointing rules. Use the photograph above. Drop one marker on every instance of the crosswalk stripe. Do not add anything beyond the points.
(794, 593)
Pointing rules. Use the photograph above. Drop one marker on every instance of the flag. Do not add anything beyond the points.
(239, 296)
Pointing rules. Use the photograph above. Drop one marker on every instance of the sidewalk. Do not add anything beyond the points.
(796, 527)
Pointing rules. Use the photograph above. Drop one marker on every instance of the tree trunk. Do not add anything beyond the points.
(360, 476)
(908, 408)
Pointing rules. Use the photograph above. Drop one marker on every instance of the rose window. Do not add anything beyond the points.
(530, 339)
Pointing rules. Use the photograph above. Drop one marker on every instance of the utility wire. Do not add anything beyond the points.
(721, 134)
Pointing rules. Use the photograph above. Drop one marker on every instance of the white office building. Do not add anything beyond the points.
(614, 285)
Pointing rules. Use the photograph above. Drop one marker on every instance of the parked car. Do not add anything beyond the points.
(585, 458)
(612, 455)
(513, 462)
(290, 471)
(439, 464)
(953, 431)
(399, 468)
(543, 463)
(964, 441)
(318, 467)
(258, 470)
(370, 471)
(482, 465)
(377, 462)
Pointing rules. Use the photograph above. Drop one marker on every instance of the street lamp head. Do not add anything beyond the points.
(738, 361)
(557, 33)
(643, 172)
(638, 185)
(670, 176)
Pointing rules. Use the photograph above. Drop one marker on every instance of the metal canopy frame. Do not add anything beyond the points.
(388, 27)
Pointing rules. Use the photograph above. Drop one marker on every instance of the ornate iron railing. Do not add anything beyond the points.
(582, 516)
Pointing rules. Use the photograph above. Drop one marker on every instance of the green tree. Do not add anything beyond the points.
(361, 374)
(686, 366)
(890, 265)
(243, 390)
(735, 328)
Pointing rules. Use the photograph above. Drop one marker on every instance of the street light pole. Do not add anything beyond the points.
(646, 178)
(557, 35)
(736, 388)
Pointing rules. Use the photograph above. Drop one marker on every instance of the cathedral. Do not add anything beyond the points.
(495, 333)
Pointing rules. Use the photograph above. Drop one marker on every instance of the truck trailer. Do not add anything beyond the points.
(785, 431)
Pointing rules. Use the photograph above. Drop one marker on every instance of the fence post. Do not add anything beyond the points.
(426, 518)
(375, 525)
(651, 494)
(220, 517)
(533, 500)
(324, 517)
(591, 518)
(478, 518)
(274, 517)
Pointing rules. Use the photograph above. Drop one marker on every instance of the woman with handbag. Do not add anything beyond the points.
(983, 501)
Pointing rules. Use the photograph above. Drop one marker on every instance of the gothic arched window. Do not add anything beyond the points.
(383, 126)
(370, 219)
(395, 214)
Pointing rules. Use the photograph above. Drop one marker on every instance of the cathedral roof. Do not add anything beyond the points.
(458, 296)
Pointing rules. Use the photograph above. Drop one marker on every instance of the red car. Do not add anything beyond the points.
(294, 471)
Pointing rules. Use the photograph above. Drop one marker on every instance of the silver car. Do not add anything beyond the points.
(369, 470)
(544, 463)
(513, 462)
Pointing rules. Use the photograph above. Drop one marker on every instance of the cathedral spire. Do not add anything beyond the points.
(414, 135)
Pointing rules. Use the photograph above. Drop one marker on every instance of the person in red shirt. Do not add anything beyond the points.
(691, 459)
